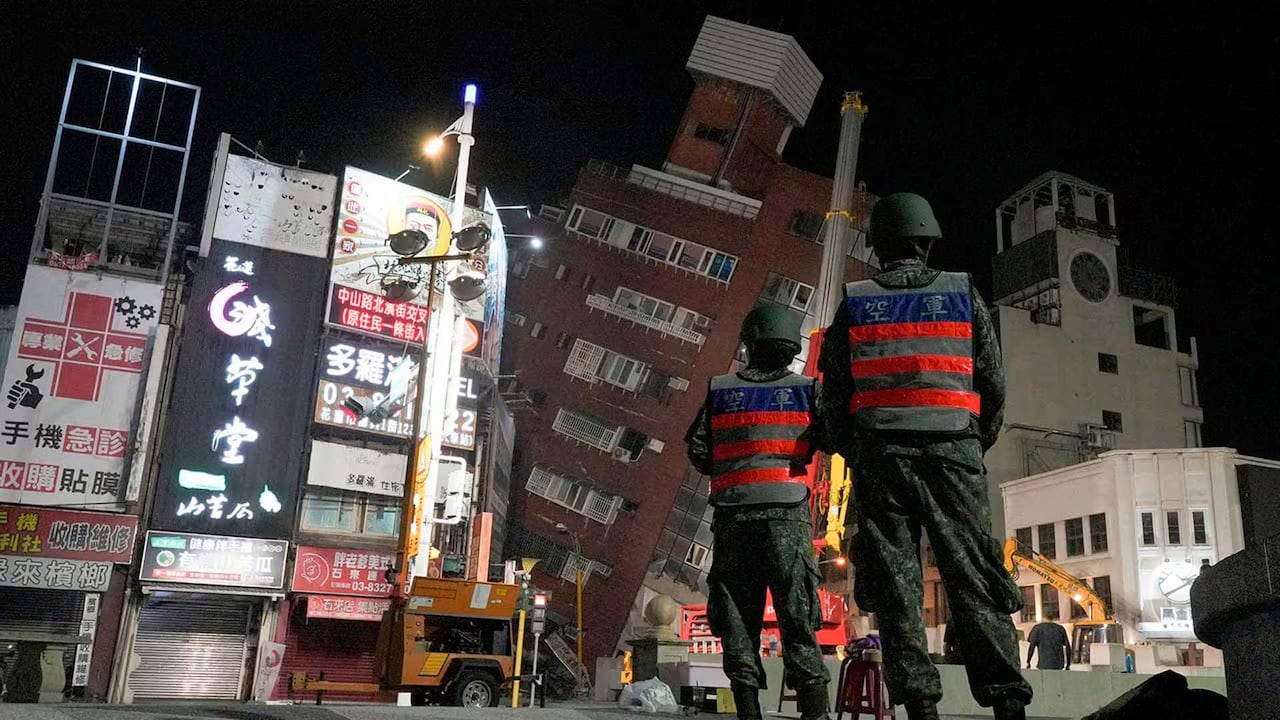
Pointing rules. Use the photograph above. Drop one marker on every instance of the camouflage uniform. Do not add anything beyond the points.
(759, 547)
(909, 481)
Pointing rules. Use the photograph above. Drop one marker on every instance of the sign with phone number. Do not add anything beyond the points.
(342, 572)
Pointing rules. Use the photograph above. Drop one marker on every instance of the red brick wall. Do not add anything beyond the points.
(651, 481)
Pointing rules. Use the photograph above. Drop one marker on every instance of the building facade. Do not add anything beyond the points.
(1091, 353)
(631, 306)
(1136, 525)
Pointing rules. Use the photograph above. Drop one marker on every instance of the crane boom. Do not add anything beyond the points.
(1017, 555)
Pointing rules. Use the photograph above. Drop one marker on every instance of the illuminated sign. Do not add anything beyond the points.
(371, 314)
(214, 560)
(460, 429)
(231, 462)
(370, 371)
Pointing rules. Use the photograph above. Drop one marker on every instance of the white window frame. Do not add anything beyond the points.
(1155, 528)
(574, 563)
(1191, 433)
(698, 556)
(1208, 527)
(671, 250)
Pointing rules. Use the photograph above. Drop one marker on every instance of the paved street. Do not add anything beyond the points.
(243, 711)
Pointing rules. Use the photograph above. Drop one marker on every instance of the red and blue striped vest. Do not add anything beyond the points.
(912, 355)
(755, 437)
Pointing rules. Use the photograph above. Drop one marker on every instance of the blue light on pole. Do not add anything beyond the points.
(469, 95)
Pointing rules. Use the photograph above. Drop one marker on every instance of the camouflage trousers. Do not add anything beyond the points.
(750, 557)
(898, 495)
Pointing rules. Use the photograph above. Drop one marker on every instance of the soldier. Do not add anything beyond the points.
(752, 437)
(913, 396)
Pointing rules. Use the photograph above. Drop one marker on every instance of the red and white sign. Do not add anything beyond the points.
(372, 314)
(345, 608)
(342, 572)
(67, 534)
(70, 386)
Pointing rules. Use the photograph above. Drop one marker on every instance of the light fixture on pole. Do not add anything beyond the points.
(535, 241)
(577, 551)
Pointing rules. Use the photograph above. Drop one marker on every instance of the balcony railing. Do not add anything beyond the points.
(586, 430)
(679, 188)
(606, 304)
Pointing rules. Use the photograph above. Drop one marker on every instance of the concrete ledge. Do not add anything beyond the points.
(1058, 693)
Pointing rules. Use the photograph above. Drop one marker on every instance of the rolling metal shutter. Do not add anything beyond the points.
(191, 649)
(344, 650)
(25, 612)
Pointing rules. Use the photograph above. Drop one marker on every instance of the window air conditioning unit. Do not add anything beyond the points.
(622, 455)
(1099, 437)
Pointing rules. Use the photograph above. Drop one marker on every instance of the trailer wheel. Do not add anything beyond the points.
(418, 698)
(474, 688)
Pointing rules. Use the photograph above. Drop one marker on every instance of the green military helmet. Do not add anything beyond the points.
(902, 215)
(771, 322)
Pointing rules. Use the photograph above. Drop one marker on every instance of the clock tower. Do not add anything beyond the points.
(1090, 344)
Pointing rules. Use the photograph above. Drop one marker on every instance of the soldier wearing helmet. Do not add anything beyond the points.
(913, 396)
(753, 437)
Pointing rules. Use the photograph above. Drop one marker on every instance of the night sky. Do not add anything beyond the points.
(1173, 113)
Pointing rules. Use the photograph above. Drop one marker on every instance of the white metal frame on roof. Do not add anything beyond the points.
(125, 138)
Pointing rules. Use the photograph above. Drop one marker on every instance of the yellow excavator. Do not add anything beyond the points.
(1101, 625)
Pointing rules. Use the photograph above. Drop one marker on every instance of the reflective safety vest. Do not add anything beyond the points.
(912, 355)
(755, 436)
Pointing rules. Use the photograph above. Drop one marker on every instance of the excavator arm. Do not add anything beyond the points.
(1018, 556)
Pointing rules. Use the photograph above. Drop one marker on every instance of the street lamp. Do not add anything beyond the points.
(577, 552)
(535, 241)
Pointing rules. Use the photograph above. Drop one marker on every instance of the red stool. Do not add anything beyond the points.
(862, 690)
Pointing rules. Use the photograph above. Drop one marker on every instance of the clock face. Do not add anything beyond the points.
(1175, 581)
(1090, 277)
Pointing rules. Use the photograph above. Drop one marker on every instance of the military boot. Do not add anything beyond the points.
(1010, 709)
(812, 701)
(747, 701)
(922, 710)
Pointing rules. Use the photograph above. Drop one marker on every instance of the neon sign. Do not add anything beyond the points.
(242, 319)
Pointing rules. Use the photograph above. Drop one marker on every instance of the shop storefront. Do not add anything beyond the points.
(56, 569)
(334, 613)
(208, 601)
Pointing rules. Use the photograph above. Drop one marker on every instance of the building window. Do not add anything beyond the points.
(1199, 531)
(1173, 521)
(1108, 363)
(1023, 536)
(1148, 521)
(563, 339)
(807, 225)
(783, 290)
(650, 243)
(1048, 541)
(591, 223)
(538, 330)
(1077, 610)
(1098, 533)
(562, 273)
(340, 512)
(1187, 387)
(698, 556)
(1075, 537)
(330, 512)
(1112, 421)
(588, 282)
(1150, 327)
(516, 319)
(381, 516)
(1102, 586)
(719, 136)
(1048, 603)
(1028, 603)
(1191, 434)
